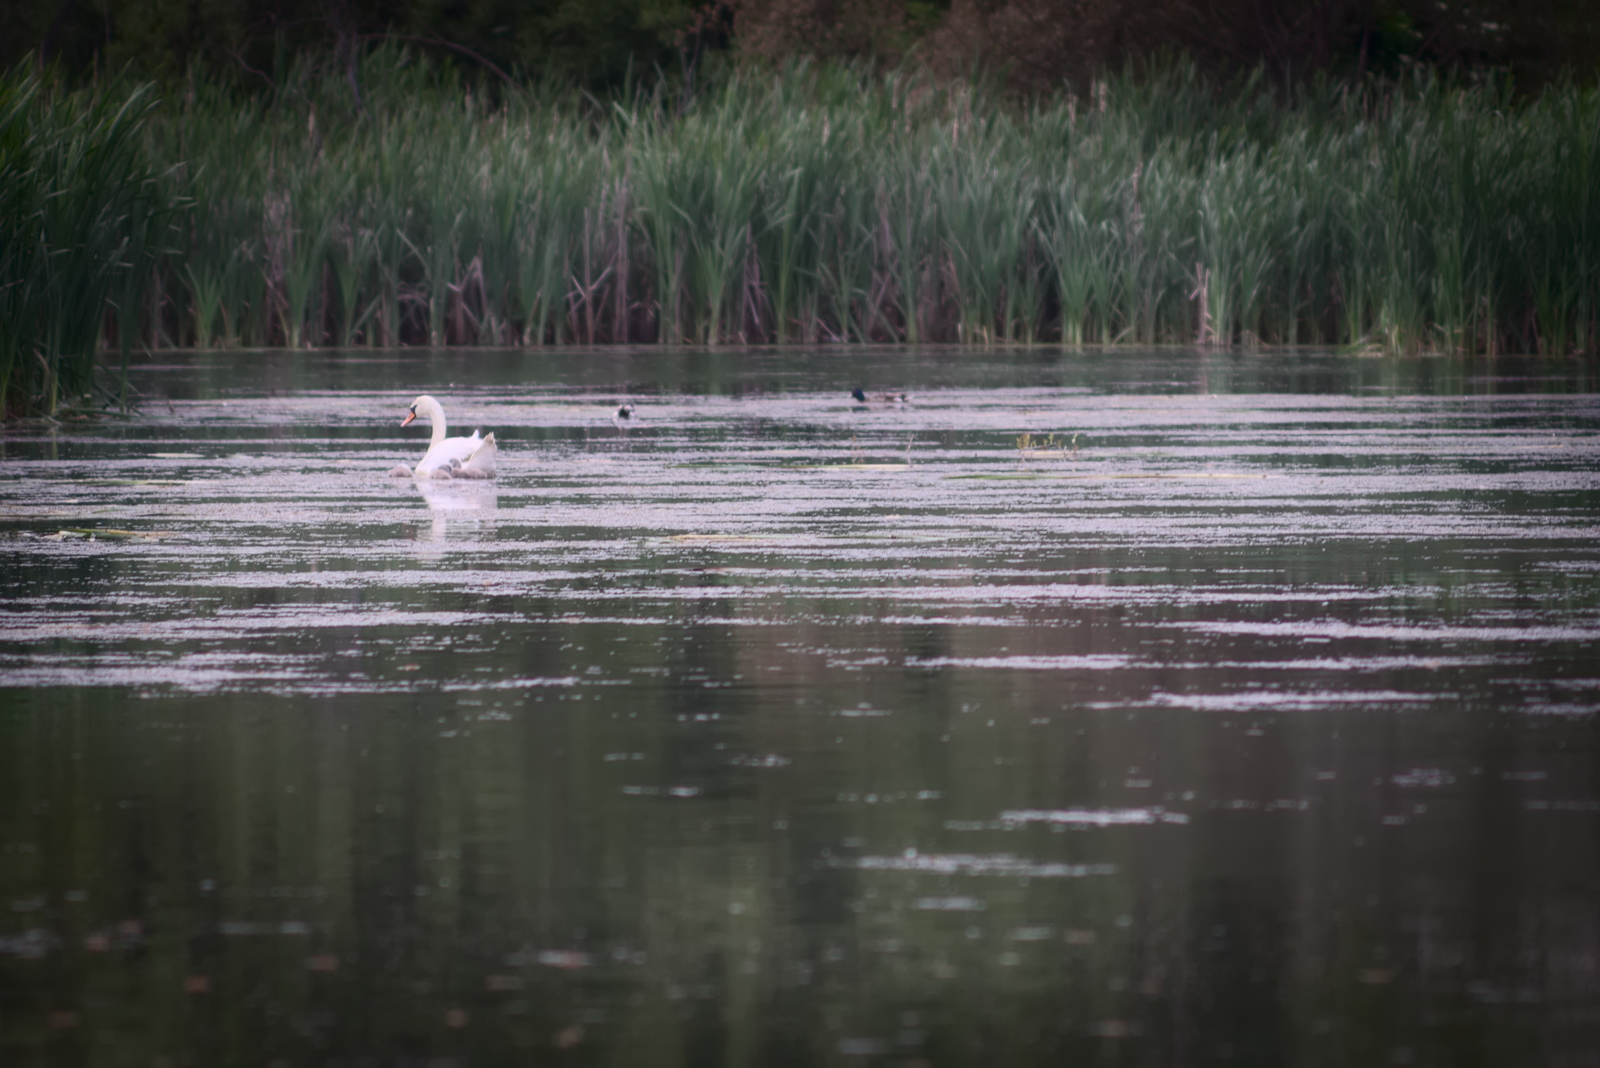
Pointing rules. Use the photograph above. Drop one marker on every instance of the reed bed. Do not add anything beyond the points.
(821, 204)
(81, 211)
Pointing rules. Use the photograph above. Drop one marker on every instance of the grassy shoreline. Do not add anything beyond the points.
(814, 205)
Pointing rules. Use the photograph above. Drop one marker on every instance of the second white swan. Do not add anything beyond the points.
(447, 457)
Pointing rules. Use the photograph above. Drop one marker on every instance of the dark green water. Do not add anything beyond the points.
(1250, 720)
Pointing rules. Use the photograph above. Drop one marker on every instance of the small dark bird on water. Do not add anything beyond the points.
(862, 397)
(625, 412)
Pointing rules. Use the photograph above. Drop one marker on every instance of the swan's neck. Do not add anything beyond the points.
(435, 415)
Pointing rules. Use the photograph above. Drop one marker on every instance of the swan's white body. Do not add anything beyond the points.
(447, 457)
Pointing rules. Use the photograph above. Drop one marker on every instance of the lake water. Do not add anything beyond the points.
(1147, 708)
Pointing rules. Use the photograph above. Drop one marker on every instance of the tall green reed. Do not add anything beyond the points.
(816, 204)
(82, 213)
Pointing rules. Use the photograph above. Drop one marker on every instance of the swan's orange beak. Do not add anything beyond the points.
(412, 414)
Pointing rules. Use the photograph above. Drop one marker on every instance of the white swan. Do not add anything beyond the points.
(447, 457)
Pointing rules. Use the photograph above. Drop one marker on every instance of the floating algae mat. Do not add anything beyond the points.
(1259, 728)
(109, 532)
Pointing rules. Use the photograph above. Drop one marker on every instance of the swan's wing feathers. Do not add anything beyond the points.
(481, 463)
(460, 449)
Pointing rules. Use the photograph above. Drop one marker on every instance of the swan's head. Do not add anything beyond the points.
(424, 403)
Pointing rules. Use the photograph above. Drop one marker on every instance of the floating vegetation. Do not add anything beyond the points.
(1000, 864)
(108, 532)
(820, 204)
(851, 467)
(718, 538)
(1046, 446)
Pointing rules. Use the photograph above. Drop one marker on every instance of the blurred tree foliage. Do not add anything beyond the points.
(594, 42)
(1038, 44)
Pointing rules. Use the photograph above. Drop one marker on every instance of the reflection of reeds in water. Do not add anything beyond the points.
(823, 204)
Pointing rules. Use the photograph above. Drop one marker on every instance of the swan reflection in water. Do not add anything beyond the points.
(460, 510)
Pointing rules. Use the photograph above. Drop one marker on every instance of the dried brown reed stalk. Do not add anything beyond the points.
(1204, 336)
(468, 305)
(277, 236)
(619, 330)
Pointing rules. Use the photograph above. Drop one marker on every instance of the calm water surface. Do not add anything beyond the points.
(1132, 708)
